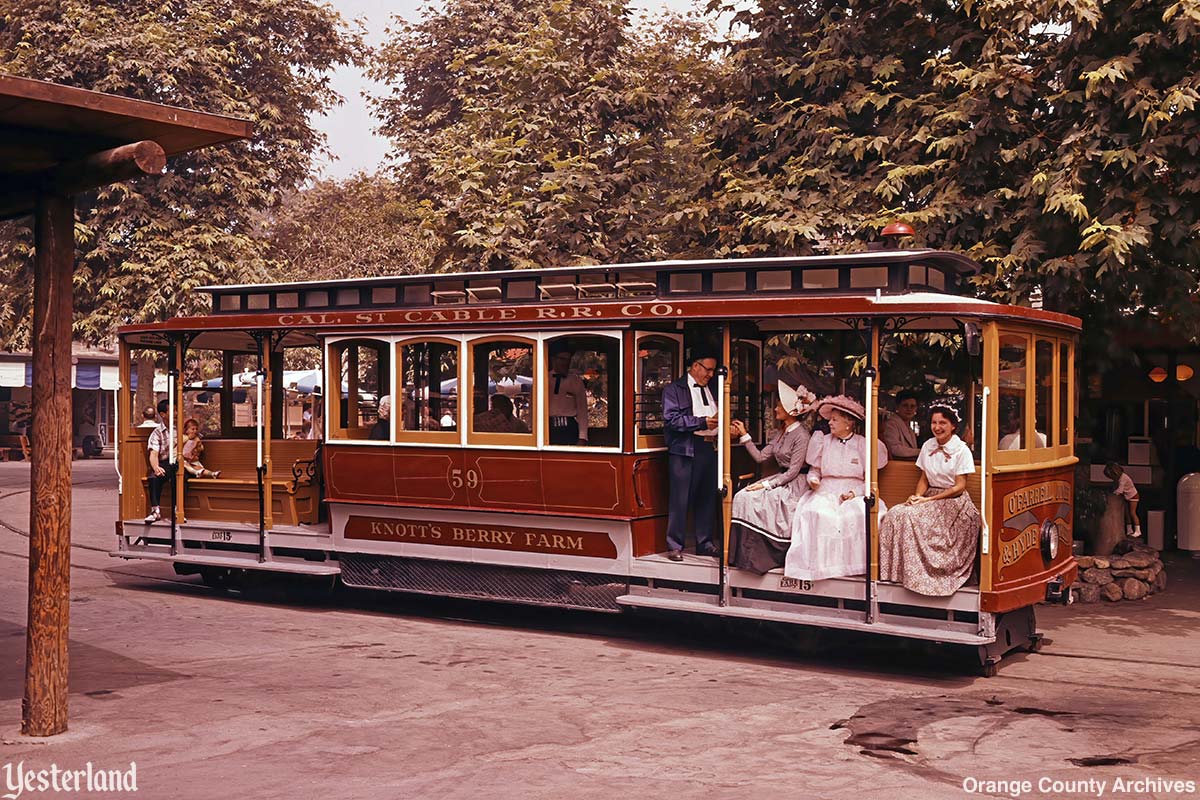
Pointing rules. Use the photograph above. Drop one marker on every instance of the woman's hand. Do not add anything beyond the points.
(914, 500)
(737, 428)
(754, 487)
(848, 495)
(814, 481)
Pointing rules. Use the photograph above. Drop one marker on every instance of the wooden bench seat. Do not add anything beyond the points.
(233, 497)
(13, 445)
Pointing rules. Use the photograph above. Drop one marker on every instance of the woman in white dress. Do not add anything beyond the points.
(761, 529)
(928, 544)
(829, 525)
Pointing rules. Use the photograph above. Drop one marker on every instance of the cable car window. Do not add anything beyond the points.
(243, 392)
(869, 278)
(937, 279)
(202, 390)
(658, 365)
(429, 387)
(777, 280)
(257, 302)
(383, 295)
(316, 299)
(287, 300)
(230, 302)
(746, 387)
(1043, 363)
(417, 295)
(1064, 396)
(348, 297)
(582, 391)
(362, 368)
(1014, 353)
(502, 388)
(521, 290)
(729, 281)
(300, 405)
(685, 282)
(820, 279)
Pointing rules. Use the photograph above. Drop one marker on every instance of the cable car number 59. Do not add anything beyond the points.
(459, 478)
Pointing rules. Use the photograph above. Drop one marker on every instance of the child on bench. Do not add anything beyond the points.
(193, 448)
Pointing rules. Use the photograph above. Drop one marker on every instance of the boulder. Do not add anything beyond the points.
(1133, 589)
(1111, 591)
(1100, 577)
(1089, 593)
(1085, 562)
(1141, 574)
(1120, 563)
(1141, 559)
(1160, 581)
(1101, 563)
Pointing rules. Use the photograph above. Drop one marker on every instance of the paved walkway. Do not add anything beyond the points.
(380, 696)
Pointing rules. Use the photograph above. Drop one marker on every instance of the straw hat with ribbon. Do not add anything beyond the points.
(796, 401)
(841, 402)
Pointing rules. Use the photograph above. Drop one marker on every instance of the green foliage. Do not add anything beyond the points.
(1053, 140)
(144, 246)
(362, 226)
(547, 133)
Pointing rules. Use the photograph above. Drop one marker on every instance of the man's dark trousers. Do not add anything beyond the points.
(693, 488)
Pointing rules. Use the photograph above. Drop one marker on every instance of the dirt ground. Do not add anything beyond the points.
(282, 693)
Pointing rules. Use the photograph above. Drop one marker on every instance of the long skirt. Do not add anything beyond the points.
(829, 538)
(761, 528)
(930, 547)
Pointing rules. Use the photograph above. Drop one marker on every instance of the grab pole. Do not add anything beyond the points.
(985, 544)
(869, 495)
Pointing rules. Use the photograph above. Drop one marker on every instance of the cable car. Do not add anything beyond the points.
(468, 488)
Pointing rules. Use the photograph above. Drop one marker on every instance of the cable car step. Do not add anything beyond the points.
(297, 567)
(917, 629)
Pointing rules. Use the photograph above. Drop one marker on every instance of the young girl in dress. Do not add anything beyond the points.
(193, 448)
(1123, 485)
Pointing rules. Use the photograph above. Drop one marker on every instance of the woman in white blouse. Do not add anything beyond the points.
(928, 544)
(829, 524)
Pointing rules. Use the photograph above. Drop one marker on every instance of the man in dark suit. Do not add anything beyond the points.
(690, 417)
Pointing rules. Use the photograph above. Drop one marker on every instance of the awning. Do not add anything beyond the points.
(14, 374)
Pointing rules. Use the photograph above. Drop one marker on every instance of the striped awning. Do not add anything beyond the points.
(15, 374)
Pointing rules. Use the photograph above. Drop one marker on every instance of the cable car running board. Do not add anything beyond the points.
(226, 562)
(883, 624)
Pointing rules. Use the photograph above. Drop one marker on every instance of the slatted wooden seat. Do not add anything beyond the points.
(898, 480)
(233, 497)
(13, 445)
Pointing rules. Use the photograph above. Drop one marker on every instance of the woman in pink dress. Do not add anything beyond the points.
(829, 525)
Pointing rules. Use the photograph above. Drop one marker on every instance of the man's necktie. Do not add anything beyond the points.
(557, 382)
(704, 396)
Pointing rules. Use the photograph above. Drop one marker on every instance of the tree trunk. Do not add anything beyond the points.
(1111, 528)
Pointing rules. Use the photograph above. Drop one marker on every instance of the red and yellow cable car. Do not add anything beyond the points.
(464, 489)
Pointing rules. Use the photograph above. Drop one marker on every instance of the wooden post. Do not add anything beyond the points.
(44, 707)
(265, 354)
(176, 387)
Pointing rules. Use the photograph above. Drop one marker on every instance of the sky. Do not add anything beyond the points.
(349, 128)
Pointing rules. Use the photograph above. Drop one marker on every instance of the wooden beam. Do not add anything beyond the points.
(44, 707)
(99, 169)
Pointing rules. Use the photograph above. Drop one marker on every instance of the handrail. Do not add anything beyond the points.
(869, 479)
(985, 543)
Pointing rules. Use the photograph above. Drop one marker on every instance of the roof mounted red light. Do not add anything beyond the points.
(898, 229)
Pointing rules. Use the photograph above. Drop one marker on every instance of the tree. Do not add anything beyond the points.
(546, 133)
(1053, 140)
(144, 246)
(365, 225)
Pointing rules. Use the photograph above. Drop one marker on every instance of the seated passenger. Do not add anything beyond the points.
(829, 526)
(1010, 427)
(897, 432)
(500, 418)
(928, 543)
(568, 403)
(193, 449)
(762, 512)
(382, 429)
